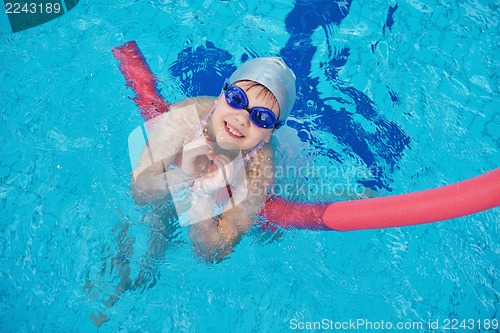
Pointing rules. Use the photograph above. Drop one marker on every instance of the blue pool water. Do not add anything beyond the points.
(408, 88)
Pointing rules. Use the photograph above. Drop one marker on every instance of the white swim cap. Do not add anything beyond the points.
(273, 74)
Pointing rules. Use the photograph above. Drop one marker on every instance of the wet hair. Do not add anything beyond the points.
(263, 92)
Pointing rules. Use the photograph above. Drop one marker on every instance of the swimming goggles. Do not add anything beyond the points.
(260, 116)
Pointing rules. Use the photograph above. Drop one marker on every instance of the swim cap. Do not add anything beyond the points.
(273, 74)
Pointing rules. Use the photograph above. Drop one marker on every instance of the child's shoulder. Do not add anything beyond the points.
(185, 114)
(203, 104)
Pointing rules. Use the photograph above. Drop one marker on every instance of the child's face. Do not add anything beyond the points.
(233, 126)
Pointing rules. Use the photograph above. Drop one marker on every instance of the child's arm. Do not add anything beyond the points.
(215, 238)
(260, 176)
(168, 134)
(149, 179)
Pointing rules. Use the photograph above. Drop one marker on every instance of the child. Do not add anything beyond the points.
(255, 101)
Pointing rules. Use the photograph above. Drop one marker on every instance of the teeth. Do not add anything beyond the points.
(233, 131)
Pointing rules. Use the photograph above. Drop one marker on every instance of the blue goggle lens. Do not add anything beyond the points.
(263, 117)
(235, 98)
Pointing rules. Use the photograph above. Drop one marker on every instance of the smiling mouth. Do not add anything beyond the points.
(232, 131)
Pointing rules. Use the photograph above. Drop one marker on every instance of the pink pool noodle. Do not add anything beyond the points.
(140, 78)
(442, 203)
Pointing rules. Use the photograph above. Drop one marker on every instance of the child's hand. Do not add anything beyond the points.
(197, 157)
(219, 178)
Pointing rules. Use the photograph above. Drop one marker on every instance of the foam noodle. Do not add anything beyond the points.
(443, 203)
(140, 78)
(300, 215)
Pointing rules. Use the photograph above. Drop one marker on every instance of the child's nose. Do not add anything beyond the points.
(243, 118)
